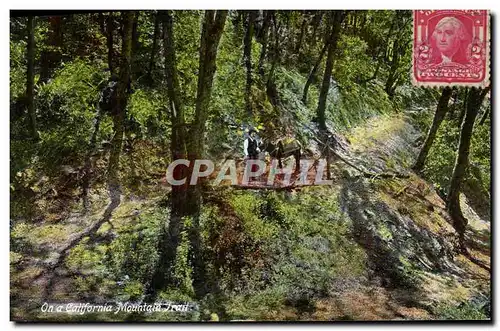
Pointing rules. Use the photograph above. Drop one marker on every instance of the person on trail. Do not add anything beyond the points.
(251, 147)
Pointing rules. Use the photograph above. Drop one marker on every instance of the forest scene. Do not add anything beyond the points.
(385, 213)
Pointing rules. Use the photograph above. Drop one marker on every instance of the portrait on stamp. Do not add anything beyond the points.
(451, 47)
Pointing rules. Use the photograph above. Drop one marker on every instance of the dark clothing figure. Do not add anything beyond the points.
(251, 145)
(252, 148)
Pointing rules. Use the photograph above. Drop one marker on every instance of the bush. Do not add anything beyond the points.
(465, 311)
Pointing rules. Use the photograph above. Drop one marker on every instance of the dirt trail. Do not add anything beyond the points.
(403, 224)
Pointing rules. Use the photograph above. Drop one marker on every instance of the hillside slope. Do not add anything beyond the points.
(361, 249)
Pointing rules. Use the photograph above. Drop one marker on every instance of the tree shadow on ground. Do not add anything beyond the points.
(397, 248)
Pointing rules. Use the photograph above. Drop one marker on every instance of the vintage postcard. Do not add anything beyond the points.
(250, 166)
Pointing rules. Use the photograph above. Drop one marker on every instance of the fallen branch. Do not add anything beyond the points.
(364, 173)
(474, 260)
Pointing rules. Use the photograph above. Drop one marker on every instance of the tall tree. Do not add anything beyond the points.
(439, 115)
(213, 26)
(119, 101)
(178, 139)
(102, 25)
(247, 50)
(86, 176)
(51, 53)
(397, 54)
(463, 109)
(485, 116)
(154, 46)
(186, 199)
(303, 27)
(338, 17)
(30, 83)
(316, 21)
(171, 238)
(264, 40)
(110, 22)
(135, 33)
(382, 49)
(312, 74)
(271, 88)
(475, 99)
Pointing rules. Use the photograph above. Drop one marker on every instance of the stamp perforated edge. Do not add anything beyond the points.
(484, 83)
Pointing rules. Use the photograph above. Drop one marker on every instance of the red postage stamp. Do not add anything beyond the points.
(451, 48)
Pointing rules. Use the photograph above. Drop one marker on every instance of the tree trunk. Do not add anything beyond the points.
(271, 90)
(379, 52)
(325, 87)
(186, 199)
(391, 79)
(275, 55)
(171, 238)
(102, 28)
(109, 35)
(88, 160)
(265, 38)
(363, 22)
(135, 33)
(119, 103)
(248, 60)
(305, 22)
(485, 116)
(397, 52)
(439, 115)
(475, 99)
(178, 139)
(213, 27)
(316, 22)
(154, 47)
(51, 55)
(312, 74)
(30, 82)
(464, 107)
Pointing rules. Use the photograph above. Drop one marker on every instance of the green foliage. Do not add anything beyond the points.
(418, 100)
(441, 159)
(310, 247)
(134, 290)
(410, 273)
(481, 151)
(134, 252)
(295, 115)
(246, 207)
(73, 91)
(228, 103)
(17, 69)
(182, 268)
(119, 268)
(146, 107)
(357, 106)
(186, 35)
(66, 108)
(465, 311)
(353, 63)
(85, 258)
